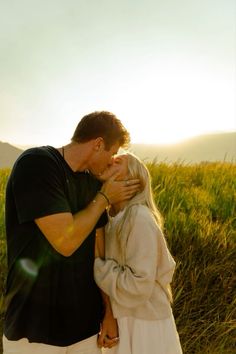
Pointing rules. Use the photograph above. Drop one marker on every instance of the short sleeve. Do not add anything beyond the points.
(38, 187)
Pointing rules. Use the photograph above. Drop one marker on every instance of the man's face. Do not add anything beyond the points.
(102, 158)
(119, 168)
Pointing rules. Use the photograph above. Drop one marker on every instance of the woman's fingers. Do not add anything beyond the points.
(110, 342)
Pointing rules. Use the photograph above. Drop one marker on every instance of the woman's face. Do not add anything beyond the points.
(119, 169)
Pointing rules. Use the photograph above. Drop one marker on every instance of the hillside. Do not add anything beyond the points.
(8, 154)
(214, 147)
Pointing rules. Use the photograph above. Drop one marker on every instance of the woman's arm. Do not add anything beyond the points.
(132, 283)
(109, 330)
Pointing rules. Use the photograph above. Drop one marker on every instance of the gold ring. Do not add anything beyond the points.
(112, 338)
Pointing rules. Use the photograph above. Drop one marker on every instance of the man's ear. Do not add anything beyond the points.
(98, 143)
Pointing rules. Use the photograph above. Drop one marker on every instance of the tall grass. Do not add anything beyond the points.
(198, 203)
(199, 206)
(3, 267)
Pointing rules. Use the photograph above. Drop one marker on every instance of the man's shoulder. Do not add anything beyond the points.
(39, 151)
(36, 159)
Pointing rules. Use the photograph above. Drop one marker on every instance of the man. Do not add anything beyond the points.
(54, 204)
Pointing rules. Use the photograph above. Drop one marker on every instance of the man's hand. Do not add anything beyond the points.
(119, 191)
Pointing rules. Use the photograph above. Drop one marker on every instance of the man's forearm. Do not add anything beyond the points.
(66, 232)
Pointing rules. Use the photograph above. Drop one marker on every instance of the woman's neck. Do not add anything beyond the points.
(116, 208)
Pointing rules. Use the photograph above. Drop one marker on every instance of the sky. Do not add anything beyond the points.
(167, 69)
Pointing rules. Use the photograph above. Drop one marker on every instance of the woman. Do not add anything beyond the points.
(138, 268)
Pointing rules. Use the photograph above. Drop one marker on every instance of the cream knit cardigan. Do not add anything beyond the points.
(137, 278)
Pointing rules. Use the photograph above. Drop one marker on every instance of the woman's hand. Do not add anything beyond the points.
(109, 335)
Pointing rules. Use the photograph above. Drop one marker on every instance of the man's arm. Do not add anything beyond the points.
(66, 232)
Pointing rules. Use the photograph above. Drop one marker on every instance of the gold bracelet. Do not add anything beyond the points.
(104, 195)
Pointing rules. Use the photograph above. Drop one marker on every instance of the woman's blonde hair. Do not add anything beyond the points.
(137, 169)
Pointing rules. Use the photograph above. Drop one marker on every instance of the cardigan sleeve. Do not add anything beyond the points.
(132, 284)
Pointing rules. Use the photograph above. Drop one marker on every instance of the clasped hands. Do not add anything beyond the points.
(108, 336)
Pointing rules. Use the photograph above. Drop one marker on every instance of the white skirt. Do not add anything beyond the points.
(146, 337)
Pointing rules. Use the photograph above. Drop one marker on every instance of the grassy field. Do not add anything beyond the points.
(198, 203)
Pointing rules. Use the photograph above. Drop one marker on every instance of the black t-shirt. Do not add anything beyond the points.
(50, 298)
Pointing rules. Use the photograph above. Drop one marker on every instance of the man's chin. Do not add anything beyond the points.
(99, 176)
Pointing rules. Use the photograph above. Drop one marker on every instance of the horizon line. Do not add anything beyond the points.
(25, 146)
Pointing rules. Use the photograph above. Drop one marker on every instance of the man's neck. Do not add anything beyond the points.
(76, 155)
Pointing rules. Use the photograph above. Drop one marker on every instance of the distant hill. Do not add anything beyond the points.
(8, 154)
(204, 148)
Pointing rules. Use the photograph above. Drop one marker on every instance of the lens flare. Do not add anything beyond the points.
(28, 266)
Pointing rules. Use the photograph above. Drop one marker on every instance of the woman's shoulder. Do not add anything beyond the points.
(142, 213)
(145, 215)
(141, 210)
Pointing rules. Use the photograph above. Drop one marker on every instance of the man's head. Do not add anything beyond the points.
(101, 124)
(104, 134)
